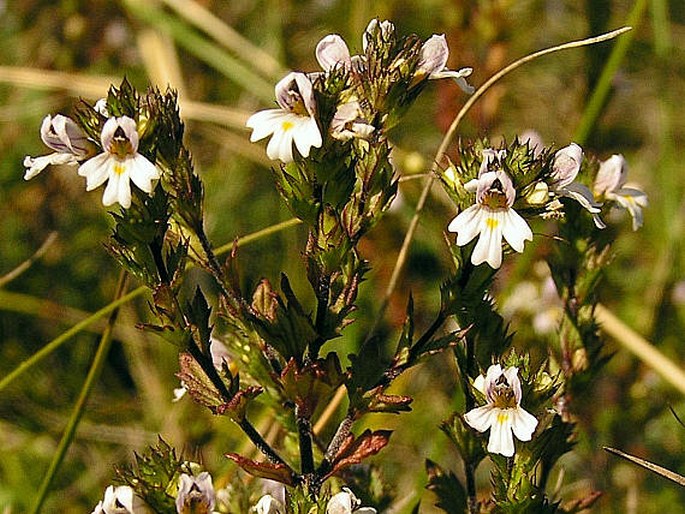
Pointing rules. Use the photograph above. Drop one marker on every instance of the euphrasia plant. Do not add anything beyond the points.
(241, 346)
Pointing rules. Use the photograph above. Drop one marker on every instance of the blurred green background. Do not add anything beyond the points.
(224, 58)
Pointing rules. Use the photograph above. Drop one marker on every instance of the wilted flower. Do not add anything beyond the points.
(195, 494)
(61, 134)
(565, 168)
(267, 504)
(503, 413)
(491, 217)
(609, 185)
(433, 62)
(294, 122)
(117, 500)
(348, 122)
(345, 502)
(119, 164)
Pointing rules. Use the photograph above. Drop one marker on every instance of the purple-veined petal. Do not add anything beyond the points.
(566, 164)
(433, 56)
(332, 51)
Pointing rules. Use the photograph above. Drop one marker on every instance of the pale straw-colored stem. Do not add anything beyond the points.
(7, 278)
(447, 140)
(94, 87)
(640, 347)
(227, 36)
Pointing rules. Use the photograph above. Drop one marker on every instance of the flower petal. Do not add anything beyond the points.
(96, 170)
(481, 418)
(523, 424)
(332, 51)
(142, 172)
(489, 246)
(466, 224)
(515, 230)
(118, 188)
(501, 439)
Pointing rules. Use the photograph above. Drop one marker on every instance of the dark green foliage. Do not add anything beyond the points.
(153, 476)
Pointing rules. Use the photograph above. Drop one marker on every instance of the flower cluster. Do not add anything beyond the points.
(119, 164)
(493, 217)
(298, 120)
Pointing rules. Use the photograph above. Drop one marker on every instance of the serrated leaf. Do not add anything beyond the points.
(278, 472)
(355, 449)
(447, 487)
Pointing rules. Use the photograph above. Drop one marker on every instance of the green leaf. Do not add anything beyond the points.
(447, 487)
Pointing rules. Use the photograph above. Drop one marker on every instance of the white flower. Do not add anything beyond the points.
(65, 137)
(294, 122)
(565, 168)
(118, 500)
(491, 218)
(610, 184)
(195, 494)
(267, 504)
(503, 413)
(433, 62)
(119, 164)
(346, 502)
(348, 122)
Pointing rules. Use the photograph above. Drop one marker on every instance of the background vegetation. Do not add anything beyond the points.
(224, 58)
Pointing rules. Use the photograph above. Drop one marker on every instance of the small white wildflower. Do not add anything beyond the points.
(101, 107)
(345, 502)
(195, 494)
(118, 500)
(348, 122)
(610, 184)
(565, 168)
(491, 218)
(267, 504)
(119, 164)
(433, 62)
(502, 414)
(294, 122)
(62, 135)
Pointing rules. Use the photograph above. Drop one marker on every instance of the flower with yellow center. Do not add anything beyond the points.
(502, 414)
(119, 164)
(491, 218)
(295, 121)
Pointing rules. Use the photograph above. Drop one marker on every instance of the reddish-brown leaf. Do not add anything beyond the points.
(278, 472)
(355, 450)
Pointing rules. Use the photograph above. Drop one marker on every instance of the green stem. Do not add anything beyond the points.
(446, 141)
(596, 103)
(60, 340)
(85, 323)
(77, 412)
